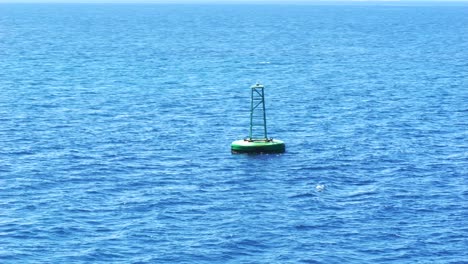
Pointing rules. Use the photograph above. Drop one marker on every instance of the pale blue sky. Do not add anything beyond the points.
(238, 1)
(220, 1)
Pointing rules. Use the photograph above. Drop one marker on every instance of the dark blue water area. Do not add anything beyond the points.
(116, 123)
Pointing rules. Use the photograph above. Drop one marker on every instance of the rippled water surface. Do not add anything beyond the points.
(116, 123)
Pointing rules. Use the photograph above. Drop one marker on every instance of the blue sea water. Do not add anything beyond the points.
(116, 123)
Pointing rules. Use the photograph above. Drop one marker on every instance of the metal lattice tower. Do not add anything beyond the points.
(258, 126)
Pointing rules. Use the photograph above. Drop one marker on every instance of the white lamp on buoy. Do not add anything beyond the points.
(258, 141)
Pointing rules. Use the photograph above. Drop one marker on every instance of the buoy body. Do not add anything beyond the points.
(258, 146)
(258, 141)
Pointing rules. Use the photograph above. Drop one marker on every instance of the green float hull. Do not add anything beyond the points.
(258, 146)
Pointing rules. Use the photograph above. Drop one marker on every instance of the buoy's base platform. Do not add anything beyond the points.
(258, 146)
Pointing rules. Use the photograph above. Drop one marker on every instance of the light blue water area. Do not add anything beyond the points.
(116, 123)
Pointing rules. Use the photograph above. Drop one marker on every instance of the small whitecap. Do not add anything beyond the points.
(320, 187)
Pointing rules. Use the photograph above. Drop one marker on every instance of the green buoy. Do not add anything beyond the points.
(258, 141)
